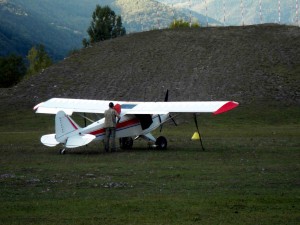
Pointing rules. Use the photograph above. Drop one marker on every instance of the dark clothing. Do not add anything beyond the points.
(110, 134)
(110, 128)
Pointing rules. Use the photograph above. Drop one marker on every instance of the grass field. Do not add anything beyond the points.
(249, 173)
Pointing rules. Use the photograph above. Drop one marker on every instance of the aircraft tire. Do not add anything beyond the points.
(161, 143)
(126, 143)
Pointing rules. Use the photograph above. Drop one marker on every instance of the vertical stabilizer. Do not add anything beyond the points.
(64, 127)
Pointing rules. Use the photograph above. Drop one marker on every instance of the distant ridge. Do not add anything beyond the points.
(237, 13)
(61, 25)
(245, 64)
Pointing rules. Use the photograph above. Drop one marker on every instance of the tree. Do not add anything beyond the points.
(12, 70)
(105, 25)
(38, 60)
(181, 23)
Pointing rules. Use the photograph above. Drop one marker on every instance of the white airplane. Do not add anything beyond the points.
(137, 120)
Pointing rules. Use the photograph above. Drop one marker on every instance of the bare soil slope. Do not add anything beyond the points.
(245, 64)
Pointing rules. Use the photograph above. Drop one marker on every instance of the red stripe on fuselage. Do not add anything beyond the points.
(122, 125)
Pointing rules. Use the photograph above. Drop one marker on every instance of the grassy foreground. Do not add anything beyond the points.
(249, 174)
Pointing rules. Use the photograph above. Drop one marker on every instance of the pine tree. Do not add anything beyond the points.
(38, 60)
(105, 25)
(12, 70)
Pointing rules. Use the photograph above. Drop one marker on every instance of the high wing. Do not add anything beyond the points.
(54, 105)
(215, 107)
(68, 105)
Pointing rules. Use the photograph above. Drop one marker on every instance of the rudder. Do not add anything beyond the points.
(64, 126)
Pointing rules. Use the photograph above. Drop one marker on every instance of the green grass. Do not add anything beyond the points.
(249, 174)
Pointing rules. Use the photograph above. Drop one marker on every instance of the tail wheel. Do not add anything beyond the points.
(161, 143)
(126, 143)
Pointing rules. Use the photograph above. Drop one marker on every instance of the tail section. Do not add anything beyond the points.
(64, 127)
(49, 140)
(79, 140)
(67, 132)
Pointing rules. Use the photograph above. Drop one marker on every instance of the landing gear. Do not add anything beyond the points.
(161, 143)
(126, 143)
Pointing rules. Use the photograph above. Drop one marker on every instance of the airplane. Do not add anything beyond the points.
(137, 119)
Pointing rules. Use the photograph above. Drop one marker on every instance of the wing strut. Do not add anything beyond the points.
(195, 119)
(85, 118)
(166, 100)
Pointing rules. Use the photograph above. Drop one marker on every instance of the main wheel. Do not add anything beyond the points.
(126, 143)
(161, 143)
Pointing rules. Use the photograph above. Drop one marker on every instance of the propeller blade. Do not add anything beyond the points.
(196, 122)
(167, 96)
(166, 99)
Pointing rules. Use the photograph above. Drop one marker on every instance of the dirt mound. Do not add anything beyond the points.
(245, 64)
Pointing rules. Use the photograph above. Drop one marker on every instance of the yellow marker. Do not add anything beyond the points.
(195, 136)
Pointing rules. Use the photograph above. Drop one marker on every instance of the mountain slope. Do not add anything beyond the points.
(61, 25)
(141, 15)
(20, 29)
(246, 64)
(233, 10)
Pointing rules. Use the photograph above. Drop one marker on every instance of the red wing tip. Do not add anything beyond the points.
(226, 107)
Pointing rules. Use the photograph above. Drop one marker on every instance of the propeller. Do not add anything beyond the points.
(196, 122)
(166, 99)
(167, 96)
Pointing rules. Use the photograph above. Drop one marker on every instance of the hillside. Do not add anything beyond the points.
(245, 64)
(21, 28)
(61, 25)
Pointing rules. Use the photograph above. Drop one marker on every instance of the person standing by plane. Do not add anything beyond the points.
(110, 123)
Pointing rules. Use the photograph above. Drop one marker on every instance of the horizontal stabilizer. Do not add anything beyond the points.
(79, 140)
(49, 140)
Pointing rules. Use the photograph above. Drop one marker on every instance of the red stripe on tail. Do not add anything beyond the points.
(71, 122)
